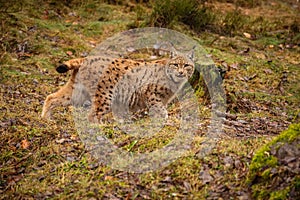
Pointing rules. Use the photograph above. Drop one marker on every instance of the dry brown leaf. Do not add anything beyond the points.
(69, 53)
(25, 144)
(247, 35)
(109, 178)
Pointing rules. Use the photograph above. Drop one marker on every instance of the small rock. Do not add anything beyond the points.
(206, 177)
(238, 164)
(228, 161)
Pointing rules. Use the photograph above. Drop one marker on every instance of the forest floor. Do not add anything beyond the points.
(259, 49)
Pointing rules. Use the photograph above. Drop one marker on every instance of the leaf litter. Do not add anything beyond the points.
(42, 159)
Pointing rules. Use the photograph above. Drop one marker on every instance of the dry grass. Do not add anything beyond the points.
(46, 159)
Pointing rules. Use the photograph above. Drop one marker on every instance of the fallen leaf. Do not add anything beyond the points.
(93, 42)
(62, 140)
(281, 46)
(268, 71)
(247, 35)
(261, 56)
(245, 51)
(69, 53)
(234, 66)
(25, 144)
(109, 178)
(187, 186)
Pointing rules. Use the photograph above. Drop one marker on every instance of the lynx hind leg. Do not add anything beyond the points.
(61, 97)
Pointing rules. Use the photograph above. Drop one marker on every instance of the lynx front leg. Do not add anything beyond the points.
(100, 107)
(92, 116)
(157, 109)
(61, 97)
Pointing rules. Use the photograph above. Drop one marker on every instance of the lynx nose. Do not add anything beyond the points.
(180, 73)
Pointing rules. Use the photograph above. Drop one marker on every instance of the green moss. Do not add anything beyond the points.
(261, 160)
(260, 173)
(297, 183)
(266, 174)
(280, 195)
(200, 92)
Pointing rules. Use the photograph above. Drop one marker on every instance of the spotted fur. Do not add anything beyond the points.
(115, 84)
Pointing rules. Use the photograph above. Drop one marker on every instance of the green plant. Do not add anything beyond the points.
(189, 12)
(233, 21)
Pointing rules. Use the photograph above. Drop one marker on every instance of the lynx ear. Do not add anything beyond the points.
(161, 45)
(173, 53)
(167, 46)
(191, 54)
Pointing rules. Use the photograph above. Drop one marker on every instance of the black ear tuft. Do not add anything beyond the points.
(62, 68)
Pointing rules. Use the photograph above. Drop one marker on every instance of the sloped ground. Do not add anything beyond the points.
(274, 172)
(257, 46)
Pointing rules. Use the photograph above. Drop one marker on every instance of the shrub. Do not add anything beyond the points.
(190, 12)
(233, 21)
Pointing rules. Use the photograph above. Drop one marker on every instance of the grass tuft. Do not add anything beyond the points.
(189, 12)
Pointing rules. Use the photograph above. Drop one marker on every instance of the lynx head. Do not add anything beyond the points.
(180, 67)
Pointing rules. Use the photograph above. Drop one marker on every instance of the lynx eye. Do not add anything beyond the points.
(175, 64)
(187, 65)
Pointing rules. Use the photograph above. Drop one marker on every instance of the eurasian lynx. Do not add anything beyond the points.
(135, 84)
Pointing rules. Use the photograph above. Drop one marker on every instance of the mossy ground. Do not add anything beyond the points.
(270, 163)
(258, 45)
